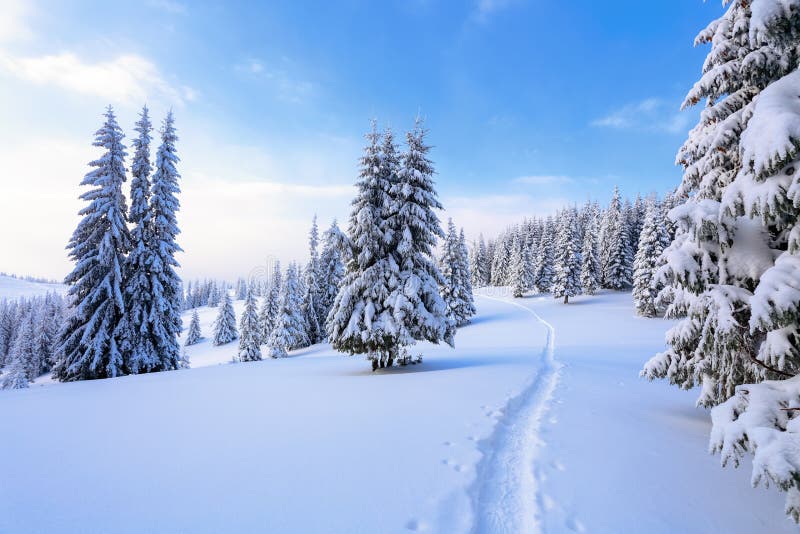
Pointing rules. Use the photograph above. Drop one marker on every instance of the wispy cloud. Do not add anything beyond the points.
(170, 6)
(285, 86)
(487, 7)
(651, 114)
(490, 214)
(13, 20)
(545, 179)
(125, 79)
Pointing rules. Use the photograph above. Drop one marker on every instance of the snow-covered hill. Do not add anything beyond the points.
(12, 288)
(536, 422)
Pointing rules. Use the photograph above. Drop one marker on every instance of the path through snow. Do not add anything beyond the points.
(507, 481)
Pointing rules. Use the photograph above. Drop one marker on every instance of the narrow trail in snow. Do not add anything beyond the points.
(505, 494)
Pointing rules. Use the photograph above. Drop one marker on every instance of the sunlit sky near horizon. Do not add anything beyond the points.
(531, 105)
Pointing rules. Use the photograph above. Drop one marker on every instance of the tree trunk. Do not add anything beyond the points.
(374, 364)
(566, 299)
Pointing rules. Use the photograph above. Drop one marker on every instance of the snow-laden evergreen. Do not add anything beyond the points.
(616, 257)
(136, 345)
(250, 335)
(194, 335)
(457, 287)
(89, 340)
(468, 309)
(165, 317)
(312, 308)
(289, 331)
(271, 305)
(331, 269)
(16, 373)
(590, 260)
(734, 267)
(519, 266)
(653, 240)
(214, 293)
(361, 319)
(543, 264)
(419, 311)
(567, 261)
(479, 263)
(390, 296)
(225, 324)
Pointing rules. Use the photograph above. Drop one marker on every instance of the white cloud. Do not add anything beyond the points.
(231, 227)
(544, 180)
(491, 214)
(126, 79)
(285, 86)
(651, 114)
(45, 174)
(13, 24)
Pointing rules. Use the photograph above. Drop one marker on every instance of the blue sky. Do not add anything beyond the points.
(530, 104)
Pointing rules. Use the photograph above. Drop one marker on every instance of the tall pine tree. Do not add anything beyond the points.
(566, 282)
(419, 311)
(249, 339)
(225, 324)
(165, 318)
(90, 345)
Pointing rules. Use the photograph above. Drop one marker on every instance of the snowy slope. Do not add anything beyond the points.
(541, 400)
(313, 443)
(626, 455)
(12, 288)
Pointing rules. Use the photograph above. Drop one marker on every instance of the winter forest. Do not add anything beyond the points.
(412, 365)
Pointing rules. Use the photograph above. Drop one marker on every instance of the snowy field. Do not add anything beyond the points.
(12, 288)
(536, 422)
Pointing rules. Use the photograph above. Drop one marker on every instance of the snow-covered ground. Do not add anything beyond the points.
(12, 288)
(536, 422)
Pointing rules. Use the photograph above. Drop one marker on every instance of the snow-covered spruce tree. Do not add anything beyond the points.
(225, 324)
(289, 330)
(269, 309)
(331, 269)
(23, 349)
(89, 344)
(361, 320)
(479, 264)
(457, 289)
(214, 294)
(194, 335)
(312, 309)
(652, 242)
(165, 323)
(519, 262)
(249, 338)
(136, 340)
(543, 264)
(567, 261)
(736, 250)
(634, 219)
(241, 289)
(616, 259)
(16, 373)
(491, 245)
(7, 319)
(420, 313)
(590, 261)
(468, 309)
